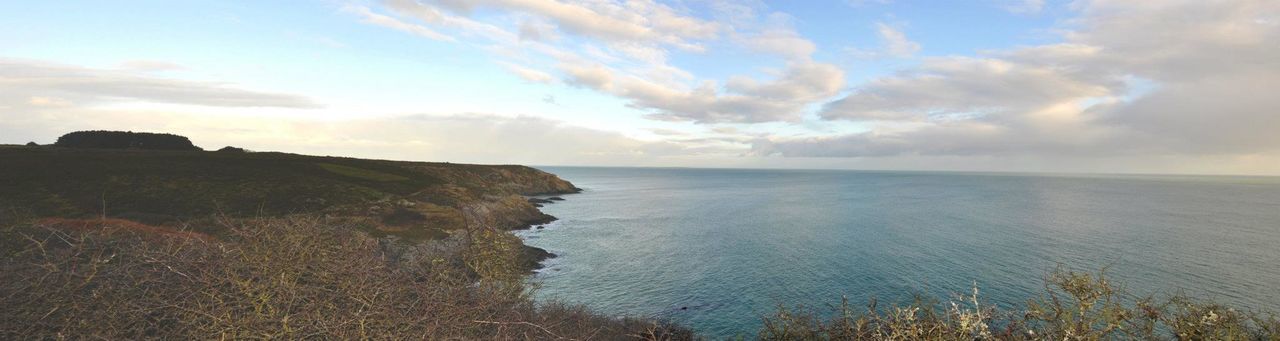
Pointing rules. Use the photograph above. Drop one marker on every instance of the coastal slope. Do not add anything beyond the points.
(415, 200)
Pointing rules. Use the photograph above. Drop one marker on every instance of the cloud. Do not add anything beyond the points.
(741, 99)
(41, 84)
(1024, 6)
(1133, 79)
(636, 21)
(150, 66)
(529, 74)
(538, 30)
(622, 49)
(963, 85)
(780, 38)
(389, 22)
(894, 44)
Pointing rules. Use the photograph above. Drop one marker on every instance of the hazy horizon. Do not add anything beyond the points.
(1007, 86)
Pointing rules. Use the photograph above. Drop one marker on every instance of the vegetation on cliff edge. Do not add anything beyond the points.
(285, 278)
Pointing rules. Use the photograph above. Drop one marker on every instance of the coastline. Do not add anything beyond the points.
(533, 258)
(402, 200)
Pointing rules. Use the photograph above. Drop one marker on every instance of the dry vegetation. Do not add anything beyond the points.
(285, 278)
(309, 277)
(1075, 306)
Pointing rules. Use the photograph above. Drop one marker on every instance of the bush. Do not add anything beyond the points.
(302, 277)
(1075, 306)
(124, 140)
(32, 144)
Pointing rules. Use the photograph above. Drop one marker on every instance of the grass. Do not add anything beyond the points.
(165, 186)
(361, 173)
(175, 187)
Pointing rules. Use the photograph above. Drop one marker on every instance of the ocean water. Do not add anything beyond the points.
(717, 249)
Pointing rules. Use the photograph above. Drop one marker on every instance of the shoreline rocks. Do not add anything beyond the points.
(531, 257)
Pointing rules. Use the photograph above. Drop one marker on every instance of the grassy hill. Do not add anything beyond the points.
(157, 244)
(415, 199)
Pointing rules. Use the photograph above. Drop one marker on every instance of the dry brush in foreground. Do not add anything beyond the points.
(277, 279)
(1074, 306)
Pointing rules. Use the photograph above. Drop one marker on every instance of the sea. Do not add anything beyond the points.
(717, 249)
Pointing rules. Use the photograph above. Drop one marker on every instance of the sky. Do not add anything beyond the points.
(1095, 86)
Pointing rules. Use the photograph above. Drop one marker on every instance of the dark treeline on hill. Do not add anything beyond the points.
(124, 140)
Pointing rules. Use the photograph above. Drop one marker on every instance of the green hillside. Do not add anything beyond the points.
(166, 187)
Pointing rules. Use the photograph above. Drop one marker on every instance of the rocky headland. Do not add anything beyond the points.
(411, 201)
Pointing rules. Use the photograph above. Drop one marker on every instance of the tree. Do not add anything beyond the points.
(124, 140)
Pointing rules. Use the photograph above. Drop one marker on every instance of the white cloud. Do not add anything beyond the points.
(1212, 78)
(741, 99)
(894, 44)
(1133, 79)
(150, 66)
(397, 24)
(46, 84)
(529, 74)
(961, 85)
(538, 30)
(637, 21)
(1024, 6)
(626, 50)
(780, 38)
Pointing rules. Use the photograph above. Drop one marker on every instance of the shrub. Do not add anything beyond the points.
(1075, 306)
(295, 278)
(124, 140)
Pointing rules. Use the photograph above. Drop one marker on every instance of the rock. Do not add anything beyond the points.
(541, 227)
(536, 201)
(556, 198)
(531, 257)
(405, 203)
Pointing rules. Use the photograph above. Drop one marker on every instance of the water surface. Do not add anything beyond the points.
(730, 245)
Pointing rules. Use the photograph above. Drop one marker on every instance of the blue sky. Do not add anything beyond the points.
(997, 85)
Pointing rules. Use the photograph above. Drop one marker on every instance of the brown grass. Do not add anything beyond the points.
(111, 226)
